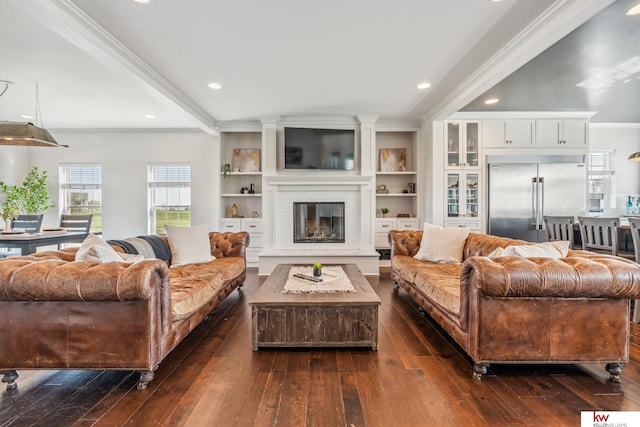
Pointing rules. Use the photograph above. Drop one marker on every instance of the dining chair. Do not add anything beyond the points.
(81, 223)
(28, 223)
(634, 228)
(559, 228)
(599, 234)
(76, 222)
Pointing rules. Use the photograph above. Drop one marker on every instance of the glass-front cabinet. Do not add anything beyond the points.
(463, 146)
(462, 195)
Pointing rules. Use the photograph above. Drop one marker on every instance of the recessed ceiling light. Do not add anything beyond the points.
(491, 101)
(635, 10)
(214, 85)
(424, 85)
(149, 116)
(142, 1)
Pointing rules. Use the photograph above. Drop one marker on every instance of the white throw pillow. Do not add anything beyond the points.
(93, 248)
(443, 245)
(556, 249)
(189, 245)
(497, 252)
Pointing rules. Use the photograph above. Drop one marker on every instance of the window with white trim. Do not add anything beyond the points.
(601, 180)
(81, 191)
(169, 195)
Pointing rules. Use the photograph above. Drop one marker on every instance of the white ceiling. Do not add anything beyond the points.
(106, 64)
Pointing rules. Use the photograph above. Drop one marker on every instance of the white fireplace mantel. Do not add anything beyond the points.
(279, 194)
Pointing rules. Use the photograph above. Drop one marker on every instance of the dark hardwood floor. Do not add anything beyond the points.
(416, 378)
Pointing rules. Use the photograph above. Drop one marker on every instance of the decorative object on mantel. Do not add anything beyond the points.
(246, 160)
(384, 211)
(393, 160)
(317, 269)
(234, 211)
(23, 133)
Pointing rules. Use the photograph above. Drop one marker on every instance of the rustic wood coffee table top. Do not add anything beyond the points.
(270, 292)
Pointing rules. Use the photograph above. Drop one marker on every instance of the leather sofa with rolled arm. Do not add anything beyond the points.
(523, 310)
(58, 313)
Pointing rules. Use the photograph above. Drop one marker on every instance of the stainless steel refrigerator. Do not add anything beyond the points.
(522, 190)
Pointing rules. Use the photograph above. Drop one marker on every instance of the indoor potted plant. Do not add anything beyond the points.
(31, 198)
(317, 269)
(384, 211)
(10, 208)
(35, 197)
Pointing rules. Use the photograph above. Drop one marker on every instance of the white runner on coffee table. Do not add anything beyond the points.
(334, 279)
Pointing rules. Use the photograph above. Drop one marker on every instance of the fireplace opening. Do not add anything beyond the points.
(318, 222)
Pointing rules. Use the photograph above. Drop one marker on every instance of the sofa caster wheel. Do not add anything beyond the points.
(10, 378)
(479, 369)
(615, 369)
(145, 378)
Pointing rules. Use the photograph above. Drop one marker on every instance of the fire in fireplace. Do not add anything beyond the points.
(318, 222)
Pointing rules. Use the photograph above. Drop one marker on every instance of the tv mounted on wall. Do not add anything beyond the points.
(313, 148)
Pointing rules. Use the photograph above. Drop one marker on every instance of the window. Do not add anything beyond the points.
(169, 196)
(81, 191)
(601, 182)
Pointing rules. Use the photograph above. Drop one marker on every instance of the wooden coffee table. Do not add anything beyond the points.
(342, 319)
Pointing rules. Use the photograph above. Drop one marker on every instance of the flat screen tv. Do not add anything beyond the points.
(311, 148)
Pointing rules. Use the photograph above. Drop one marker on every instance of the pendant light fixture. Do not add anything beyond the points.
(26, 134)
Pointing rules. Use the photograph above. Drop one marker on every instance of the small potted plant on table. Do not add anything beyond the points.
(317, 269)
(384, 211)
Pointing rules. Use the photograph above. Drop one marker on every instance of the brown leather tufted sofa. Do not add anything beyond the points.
(58, 313)
(523, 310)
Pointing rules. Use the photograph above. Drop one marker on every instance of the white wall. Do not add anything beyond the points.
(625, 140)
(14, 164)
(124, 157)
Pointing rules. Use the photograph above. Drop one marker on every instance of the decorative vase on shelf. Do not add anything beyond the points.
(7, 225)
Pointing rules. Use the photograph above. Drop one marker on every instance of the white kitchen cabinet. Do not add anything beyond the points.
(508, 133)
(561, 133)
(463, 144)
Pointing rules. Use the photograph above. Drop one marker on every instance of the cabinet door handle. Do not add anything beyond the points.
(252, 226)
(385, 225)
(229, 226)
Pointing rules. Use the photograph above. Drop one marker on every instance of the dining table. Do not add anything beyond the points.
(29, 243)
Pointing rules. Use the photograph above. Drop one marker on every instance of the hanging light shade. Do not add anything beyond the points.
(26, 134)
(635, 157)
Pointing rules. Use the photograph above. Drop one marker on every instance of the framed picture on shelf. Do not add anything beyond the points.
(393, 160)
(246, 160)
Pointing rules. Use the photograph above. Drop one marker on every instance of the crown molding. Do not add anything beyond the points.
(73, 24)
